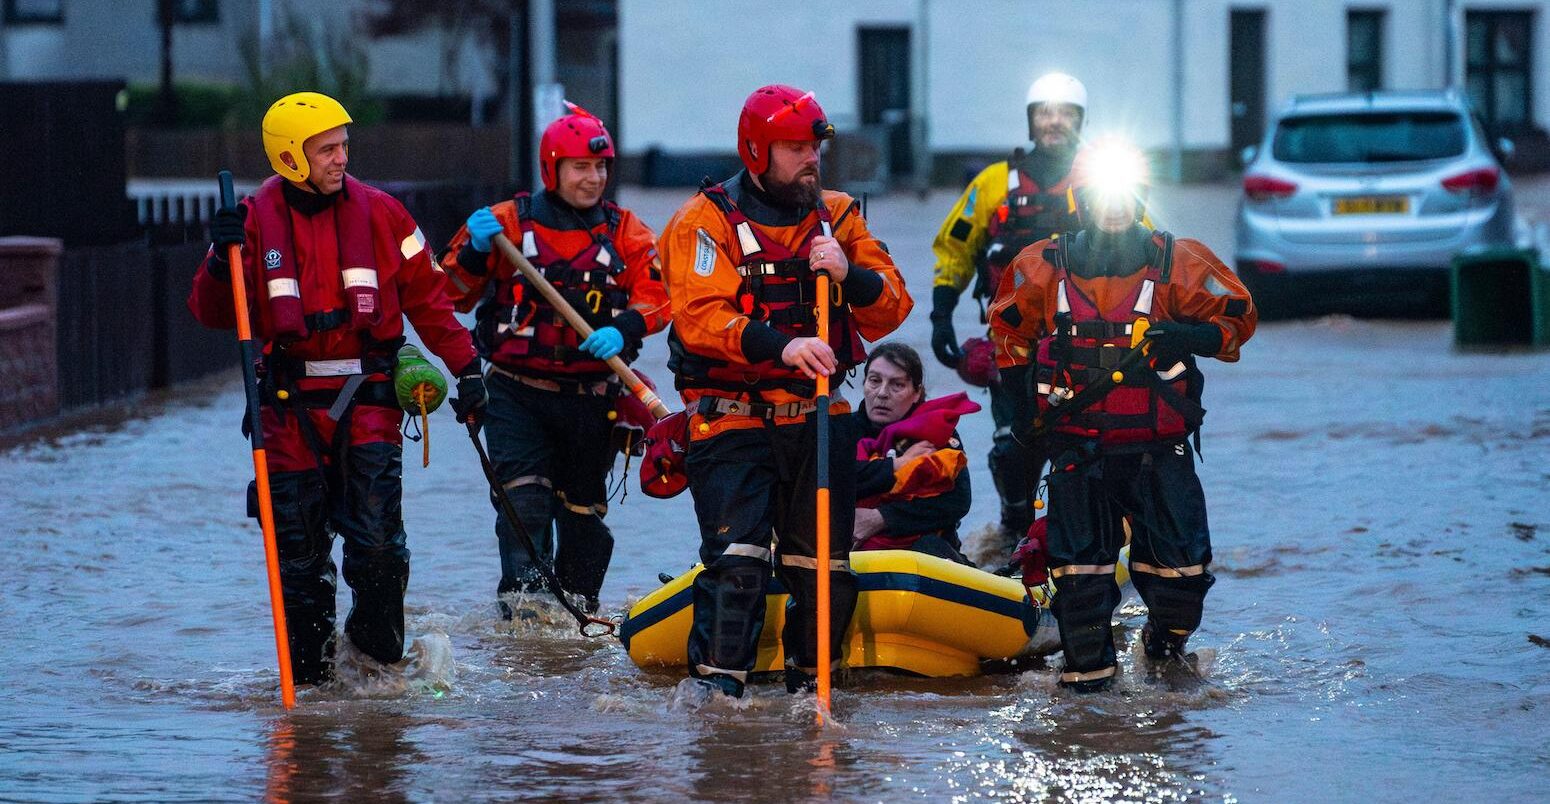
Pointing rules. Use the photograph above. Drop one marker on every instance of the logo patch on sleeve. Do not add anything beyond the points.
(272, 259)
(704, 253)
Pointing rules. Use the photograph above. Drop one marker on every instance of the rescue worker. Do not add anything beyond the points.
(332, 267)
(741, 260)
(1119, 431)
(550, 418)
(894, 389)
(1009, 206)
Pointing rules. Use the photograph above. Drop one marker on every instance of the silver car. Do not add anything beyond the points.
(1366, 198)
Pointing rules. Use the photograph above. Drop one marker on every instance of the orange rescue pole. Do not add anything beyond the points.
(822, 548)
(514, 256)
(250, 355)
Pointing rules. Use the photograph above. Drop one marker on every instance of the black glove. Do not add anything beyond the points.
(1172, 341)
(226, 230)
(944, 341)
(471, 394)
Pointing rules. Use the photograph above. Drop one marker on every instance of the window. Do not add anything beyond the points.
(1369, 137)
(1498, 71)
(34, 11)
(1364, 50)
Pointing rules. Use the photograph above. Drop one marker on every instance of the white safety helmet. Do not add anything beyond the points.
(1056, 88)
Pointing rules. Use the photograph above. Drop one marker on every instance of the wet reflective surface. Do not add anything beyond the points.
(1381, 513)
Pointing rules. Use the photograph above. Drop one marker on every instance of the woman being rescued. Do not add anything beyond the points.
(911, 485)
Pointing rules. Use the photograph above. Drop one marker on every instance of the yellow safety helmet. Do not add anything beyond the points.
(288, 124)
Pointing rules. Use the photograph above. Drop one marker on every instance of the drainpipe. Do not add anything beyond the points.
(265, 30)
(1452, 56)
(921, 102)
(1176, 157)
(548, 93)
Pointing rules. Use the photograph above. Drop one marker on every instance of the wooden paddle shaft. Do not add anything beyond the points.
(514, 256)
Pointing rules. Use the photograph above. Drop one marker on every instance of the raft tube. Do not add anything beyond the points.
(916, 613)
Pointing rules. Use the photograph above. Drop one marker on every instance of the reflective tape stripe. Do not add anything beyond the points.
(746, 240)
(707, 670)
(1011, 180)
(1093, 675)
(1172, 373)
(413, 244)
(748, 551)
(529, 246)
(284, 287)
(1002, 431)
(1144, 301)
(1168, 572)
(1064, 393)
(603, 258)
(528, 480)
(812, 563)
(1083, 569)
(360, 277)
(1062, 304)
(333, 368)
(596, 508)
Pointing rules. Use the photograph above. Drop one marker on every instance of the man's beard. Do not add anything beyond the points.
(797, 193)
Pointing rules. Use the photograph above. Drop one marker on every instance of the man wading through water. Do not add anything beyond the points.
(333, 266)
(1009, 206)
(1118, 428)
(741, 259)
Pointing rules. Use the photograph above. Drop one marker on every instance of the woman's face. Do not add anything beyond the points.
(888, 392)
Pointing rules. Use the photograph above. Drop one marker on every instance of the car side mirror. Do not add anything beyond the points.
(1248, 154)
(1506, 149)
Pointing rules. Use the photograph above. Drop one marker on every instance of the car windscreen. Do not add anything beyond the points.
(1369, 137)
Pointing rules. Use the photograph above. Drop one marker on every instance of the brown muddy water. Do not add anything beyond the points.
(1380, 507)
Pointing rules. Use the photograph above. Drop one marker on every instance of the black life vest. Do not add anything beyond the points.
(518, 329)
(1148, 406)
(1029, 214)
(778, 288)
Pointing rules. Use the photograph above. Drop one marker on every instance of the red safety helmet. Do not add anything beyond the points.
(578, 135)
(774, 113)
(977, 366)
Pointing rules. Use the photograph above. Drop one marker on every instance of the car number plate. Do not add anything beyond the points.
(1373, 205)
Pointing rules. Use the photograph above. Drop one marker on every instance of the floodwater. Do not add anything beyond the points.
(1380, 627)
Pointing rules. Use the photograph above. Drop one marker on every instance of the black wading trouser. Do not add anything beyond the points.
(1169, 553)
(755, 496)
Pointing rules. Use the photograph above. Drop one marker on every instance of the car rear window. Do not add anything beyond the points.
(1369, 137)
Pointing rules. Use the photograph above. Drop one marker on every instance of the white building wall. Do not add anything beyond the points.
(686, 66)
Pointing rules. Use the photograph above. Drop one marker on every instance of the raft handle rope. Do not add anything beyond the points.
(588, 626)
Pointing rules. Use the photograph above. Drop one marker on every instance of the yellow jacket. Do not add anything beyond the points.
(966, 231)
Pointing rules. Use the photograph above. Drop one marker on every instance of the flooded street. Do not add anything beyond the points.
(1380, 509)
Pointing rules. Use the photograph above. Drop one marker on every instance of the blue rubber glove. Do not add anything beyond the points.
(604, 343)
(482, 226)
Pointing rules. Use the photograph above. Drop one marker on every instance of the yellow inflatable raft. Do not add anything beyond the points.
(916, 613)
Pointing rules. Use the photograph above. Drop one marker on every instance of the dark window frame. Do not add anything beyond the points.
(1491, 67)
(1366, 75)
(14, 16)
